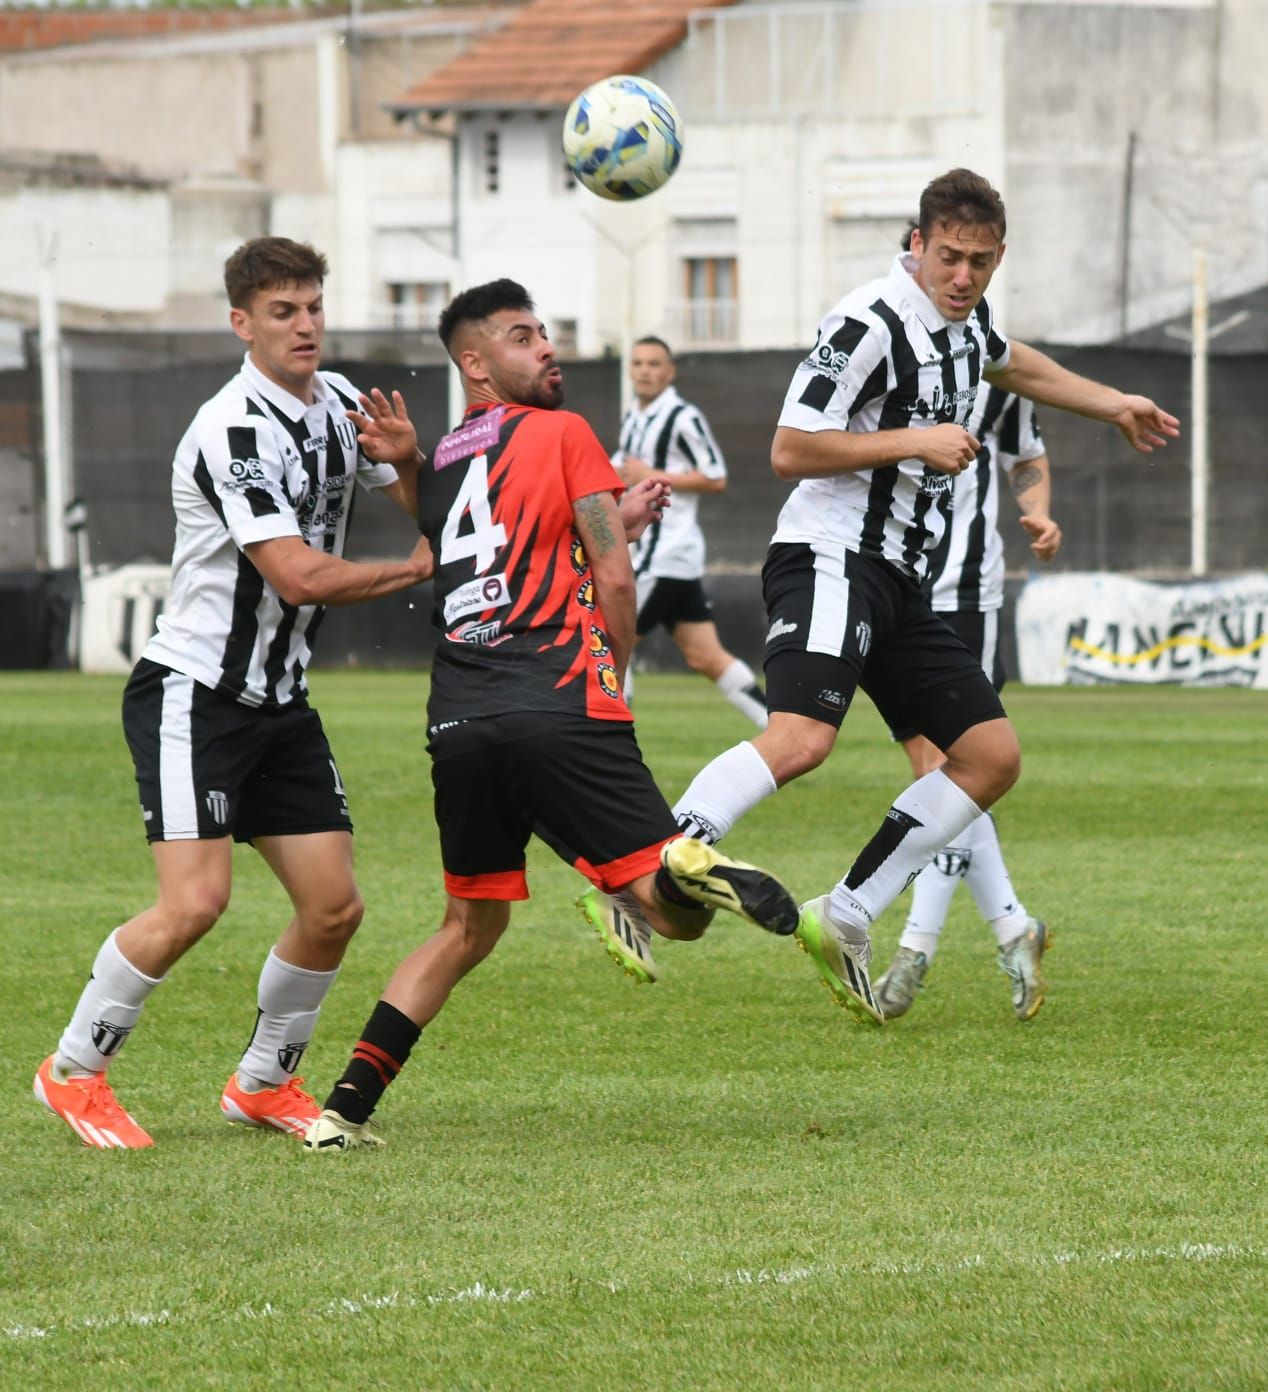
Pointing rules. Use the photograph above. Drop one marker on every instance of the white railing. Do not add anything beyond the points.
(704, 323)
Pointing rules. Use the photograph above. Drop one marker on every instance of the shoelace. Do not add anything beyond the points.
(101, 1098)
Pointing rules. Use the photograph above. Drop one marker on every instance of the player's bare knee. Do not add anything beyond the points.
(338, 921)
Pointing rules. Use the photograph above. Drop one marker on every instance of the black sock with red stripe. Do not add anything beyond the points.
(378, 1057)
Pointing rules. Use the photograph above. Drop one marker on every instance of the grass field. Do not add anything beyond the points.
(716, 1182)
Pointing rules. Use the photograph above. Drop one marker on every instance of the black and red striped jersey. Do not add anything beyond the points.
(515, 607)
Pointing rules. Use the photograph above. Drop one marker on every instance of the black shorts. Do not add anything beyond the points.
(838, 621)
(668, 603)
(208, 766)
(580, 784)
(979, 632)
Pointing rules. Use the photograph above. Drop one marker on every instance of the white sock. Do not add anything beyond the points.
(106, 1013)
(924, 818)
(990, 885)
(289, 1002)
(739, 685)
(931, 897)
(723, 791)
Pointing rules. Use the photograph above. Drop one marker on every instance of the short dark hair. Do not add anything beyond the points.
(267, 262)
(656, 343)
(960, 196)
(474, 305)
(912, 224)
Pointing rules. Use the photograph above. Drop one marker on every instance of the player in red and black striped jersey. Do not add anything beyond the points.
(528, 729)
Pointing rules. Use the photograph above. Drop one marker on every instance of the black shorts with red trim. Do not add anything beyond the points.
(840, 621)
(580, 784)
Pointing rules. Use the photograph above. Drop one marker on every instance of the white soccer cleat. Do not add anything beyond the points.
(332, 1134)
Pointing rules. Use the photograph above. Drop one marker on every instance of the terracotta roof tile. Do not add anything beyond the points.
(549, 50)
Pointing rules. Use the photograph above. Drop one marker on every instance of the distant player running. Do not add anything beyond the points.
(528, 727)
(663, 436)
(966, 587)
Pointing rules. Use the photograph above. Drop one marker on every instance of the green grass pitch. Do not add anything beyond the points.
(715, 1182)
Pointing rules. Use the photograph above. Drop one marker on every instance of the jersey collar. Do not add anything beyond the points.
(290, 406)
(669, 397)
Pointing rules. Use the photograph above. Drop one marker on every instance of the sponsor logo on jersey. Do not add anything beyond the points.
(485, 634)
(935, 485)
(580, 561)
(469, 440)
(598, 642)
(252, 470)
(607, 680)
(585, 594)
(863, 636)
(827, 362)
(779, 628)
(484, 592)
(946, 406)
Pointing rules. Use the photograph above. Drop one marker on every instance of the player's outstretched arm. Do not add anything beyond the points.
(301, 574)
(1032, 374)
(387, 435)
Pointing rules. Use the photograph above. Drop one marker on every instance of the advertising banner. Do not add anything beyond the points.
(119, 615)
(1080, 630)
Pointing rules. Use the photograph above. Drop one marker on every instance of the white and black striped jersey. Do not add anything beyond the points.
(966, 571)
(672, 435)
(256, 464)
(885, 359)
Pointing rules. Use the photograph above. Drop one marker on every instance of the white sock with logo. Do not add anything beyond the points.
(990, 885)
(931, 897)
(739, 685)
(723, 791)
(289, 1001)
(105, 1015)
(924, 818)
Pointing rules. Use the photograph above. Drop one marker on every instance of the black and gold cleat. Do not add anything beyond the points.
(704, 875)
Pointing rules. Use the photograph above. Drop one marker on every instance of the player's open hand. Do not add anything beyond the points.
(947, 448)
(1145, 427)
(643, 504)
(1045, 535)
(384, 429)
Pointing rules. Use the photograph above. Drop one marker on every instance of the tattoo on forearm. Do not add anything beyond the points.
(594, 514)
(1025, 476)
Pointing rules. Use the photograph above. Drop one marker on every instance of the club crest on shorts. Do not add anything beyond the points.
(607, 680)
(863, 636)
(598, 642)
(218, 806)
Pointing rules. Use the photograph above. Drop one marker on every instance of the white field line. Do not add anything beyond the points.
(741, 1276)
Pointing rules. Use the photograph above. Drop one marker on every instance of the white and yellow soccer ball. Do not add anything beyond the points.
(622, 137)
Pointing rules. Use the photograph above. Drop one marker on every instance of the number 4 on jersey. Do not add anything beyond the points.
(485, 535)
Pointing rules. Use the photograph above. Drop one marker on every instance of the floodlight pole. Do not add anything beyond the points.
(51, 404)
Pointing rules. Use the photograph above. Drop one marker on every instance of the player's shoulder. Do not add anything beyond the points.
(554, 425)
(346, 392)
(233, 405)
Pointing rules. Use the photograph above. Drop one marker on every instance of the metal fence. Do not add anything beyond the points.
(132, 395)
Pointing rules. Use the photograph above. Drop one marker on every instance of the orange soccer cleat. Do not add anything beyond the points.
(89, 1107)
(285, 1108)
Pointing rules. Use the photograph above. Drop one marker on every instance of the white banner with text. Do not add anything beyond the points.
(1101, 629)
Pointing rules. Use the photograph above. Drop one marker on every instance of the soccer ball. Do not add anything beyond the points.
(622, 137)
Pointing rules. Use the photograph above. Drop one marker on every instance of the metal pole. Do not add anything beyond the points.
(1199, 453)
(1125, 250)
(457, 397)
(51, 404)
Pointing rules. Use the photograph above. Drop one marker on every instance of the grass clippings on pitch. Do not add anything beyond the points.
(715, 1182)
